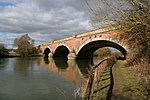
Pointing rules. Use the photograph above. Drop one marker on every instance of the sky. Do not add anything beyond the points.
(42, 20)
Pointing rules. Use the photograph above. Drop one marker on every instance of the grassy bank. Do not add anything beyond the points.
(14, 54)
(126, 86)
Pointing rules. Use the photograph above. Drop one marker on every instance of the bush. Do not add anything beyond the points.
(3, 51)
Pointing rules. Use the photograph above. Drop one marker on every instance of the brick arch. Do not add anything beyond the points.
(61, 51)
(46, 51)
(65, 45)
(86, 50)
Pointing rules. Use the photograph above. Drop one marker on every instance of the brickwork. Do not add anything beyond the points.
(75, 43)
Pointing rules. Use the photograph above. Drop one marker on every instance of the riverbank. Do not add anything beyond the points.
(120, 83)
(14, 54)
(9, 56)
(127, 84)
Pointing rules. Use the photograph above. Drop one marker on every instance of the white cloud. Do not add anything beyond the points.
(43, 17)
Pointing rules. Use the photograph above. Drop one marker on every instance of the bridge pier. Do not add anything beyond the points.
(50, 54)
(71, 55)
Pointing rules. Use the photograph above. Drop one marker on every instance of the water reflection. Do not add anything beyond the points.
(28, 79)
(40, 78)
(72, 70)
(3, 63)
(23, 66)
(46, 60)
(84, 66)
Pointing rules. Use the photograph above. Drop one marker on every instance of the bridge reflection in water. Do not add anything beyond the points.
(70, 69)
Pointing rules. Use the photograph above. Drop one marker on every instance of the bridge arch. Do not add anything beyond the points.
(87, 49)
(61, 51)
(46, 52)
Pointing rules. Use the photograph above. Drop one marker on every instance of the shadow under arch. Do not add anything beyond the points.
(61, 51)
(46, 52)
(88, 49)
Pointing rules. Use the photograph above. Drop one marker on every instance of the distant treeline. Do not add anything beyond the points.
(3, 51)
(25, 48)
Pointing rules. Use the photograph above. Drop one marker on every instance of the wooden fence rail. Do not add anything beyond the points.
(95, 76)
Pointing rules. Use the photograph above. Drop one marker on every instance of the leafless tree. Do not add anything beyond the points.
(132, 17)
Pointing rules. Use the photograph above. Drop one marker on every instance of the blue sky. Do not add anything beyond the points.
(43, 20)
(5, 4)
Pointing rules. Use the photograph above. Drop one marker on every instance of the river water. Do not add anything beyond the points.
(40, 78)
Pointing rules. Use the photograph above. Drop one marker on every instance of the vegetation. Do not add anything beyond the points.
(132, 19)
(106, 52)
(25, 46)
(127, 85)
(102, 52)
(136, 27)
(3, 51)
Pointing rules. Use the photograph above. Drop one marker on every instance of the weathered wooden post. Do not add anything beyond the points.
(89, 89)
(89, 86)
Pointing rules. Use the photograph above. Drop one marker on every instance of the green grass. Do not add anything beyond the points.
(127, 85)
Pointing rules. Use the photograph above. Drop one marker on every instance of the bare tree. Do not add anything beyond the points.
(132, 17)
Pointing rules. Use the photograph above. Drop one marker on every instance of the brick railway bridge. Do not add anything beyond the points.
(85, 44)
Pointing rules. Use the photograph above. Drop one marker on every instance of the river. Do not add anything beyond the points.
(40, 78)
